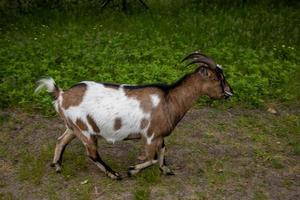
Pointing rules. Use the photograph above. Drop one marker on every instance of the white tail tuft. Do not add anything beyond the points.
(47, 83)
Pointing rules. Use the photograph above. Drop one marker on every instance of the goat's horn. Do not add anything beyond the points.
(197, 57)
(209, 64)
(194, 55)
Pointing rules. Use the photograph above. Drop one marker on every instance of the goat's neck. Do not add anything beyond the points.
(182, 96)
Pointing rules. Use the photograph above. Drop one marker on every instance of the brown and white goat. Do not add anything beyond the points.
(123, 112)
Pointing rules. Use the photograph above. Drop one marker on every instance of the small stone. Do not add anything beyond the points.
(272, 110)
(84, 182)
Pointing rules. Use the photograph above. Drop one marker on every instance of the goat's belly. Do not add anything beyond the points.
(115, 137)
(110, 114)
(109, 125)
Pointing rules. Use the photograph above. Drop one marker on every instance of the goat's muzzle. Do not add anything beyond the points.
(227, 94)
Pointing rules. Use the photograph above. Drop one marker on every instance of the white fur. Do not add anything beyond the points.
(47, 83)
(104, 105)
(149, 139)
(155, 100)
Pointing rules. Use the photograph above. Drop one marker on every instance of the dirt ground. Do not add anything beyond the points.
(215, 153)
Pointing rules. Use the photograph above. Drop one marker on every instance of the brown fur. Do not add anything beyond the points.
(77, 131)
(73, 96)
(144, 123)
(55, 93)
(118, 123)
(81, 125)
(91, 147)
(93, 124)
(143, 96)
(133, 136)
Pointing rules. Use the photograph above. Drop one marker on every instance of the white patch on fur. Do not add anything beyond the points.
(149, 139)
(155, 100)
(104, 105)
(47, 83)
(57, 102)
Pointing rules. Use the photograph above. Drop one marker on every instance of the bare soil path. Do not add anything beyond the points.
(215, 153)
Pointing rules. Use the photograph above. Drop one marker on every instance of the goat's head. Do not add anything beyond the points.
(214, 83)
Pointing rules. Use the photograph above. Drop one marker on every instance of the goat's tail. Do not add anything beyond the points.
(50, 85)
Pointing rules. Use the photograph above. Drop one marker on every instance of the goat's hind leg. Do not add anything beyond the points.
(61, 144)
(93, 154)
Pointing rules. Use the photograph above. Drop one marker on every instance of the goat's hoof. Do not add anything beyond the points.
(129, 173)
(132, 171)
(131, 168)
(170, 173)
(52, 164)
(115, 176)
(57, 168)
(166, 171)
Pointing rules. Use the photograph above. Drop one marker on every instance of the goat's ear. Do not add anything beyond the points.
(203, 71)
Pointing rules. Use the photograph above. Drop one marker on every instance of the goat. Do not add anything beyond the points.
(125, 112)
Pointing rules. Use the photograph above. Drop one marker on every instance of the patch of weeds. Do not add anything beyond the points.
(2, 184)
(215, 173)
(247, 121)
(262, 155)
(81, 192)
(210, 137)
(142, 193)
(276, 162)
(4, 138)
(149, 176)
(52, 193)
(200, 172)
(248, 173)
(287, 183)
(32, 166)
(132, 153)
(113, 163)
(260, 195)
(73, 163)
(269, 158)
(253, 127)
(6, 196)
(295, 147)
(3, 151)
(4, 117)
(201, 195)
(145, 179)
(221, 126)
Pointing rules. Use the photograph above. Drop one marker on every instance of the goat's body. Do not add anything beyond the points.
(121, 112)
(115, 114)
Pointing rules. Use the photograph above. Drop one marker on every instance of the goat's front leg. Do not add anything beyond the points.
(61, 144)
(162, 161)
(152, 150)
(91, 147)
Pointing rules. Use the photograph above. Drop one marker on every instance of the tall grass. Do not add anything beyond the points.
(258, 46)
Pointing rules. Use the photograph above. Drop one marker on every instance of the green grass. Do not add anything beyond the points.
(213, 154)
(6, 196)
(32, 167)
(145, 181)
(257, 45)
